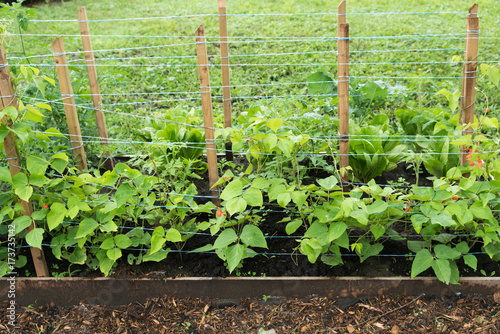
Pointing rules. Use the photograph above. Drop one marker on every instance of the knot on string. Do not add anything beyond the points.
(3, 65)
(347, 80)
(344, 138)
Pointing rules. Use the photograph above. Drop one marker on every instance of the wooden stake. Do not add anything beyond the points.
(69, 103)
(469, 77)
(206, 100)
(343, 91)
(8, 98)
(473, 10)
(224, 58)
(94, 85)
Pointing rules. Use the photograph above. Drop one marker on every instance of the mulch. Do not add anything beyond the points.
(268, 315)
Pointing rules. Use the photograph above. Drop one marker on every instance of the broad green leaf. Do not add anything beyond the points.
(225, 238)
(237, 204)
(329, 183)
(252, 236)
(260, 183)
(442, 269)
(443, 220)
(34, 238)
(422, 261)
(283, 199)
(5, 175)
(87, 226)
(22, 130)
(371, 250)
(377, 230)
(445, 252)
(124, 192)
(416, 245)
(462, 247)
(299, 197)
(39, 180)
(253, 197)
(274, 191)
(56, 215)
(320, 83)
(232, 190)
(292, 226)
(361, 216)
(156, 257)
(108, 243)
(471, 261)
(378, 206)
(234, 255)
(157, 242)
(122, 241)
(312, 248)
(33, 114)
(274, 124)
(336, 230)
(417, 220)
(78, 256)
(481, 212)
(9, 111)
(21, 223)
(173, 235)
(454, 173)
(114, 254)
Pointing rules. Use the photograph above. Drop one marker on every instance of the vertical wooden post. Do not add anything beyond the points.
(8, 98)
(69, 103)
(472, 11)
(224, 59)
(469, 76)
(94, 86)
(206, 100)
(343, 90)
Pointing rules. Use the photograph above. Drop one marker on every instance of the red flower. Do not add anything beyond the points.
(487, 110)
(219, 213)
(45, 206)
(471, 163)
(454, 198)
(480, 164)
(407, 209)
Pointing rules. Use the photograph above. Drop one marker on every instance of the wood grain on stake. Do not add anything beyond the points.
(92, 74)
(343, 89)
(206, 101)
(224, 58)
(469, 76)
(69, 103)
(8, 99)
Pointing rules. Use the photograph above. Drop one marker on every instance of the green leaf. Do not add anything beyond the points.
(260, 183)
(299, 197)
(124, 192)
(471, 261)
(157, 242)
(253, 197)
(108, 243)
(78, 256)
(22, 130)
(320, 83)
(225, 238)
(237, 204)
(234, 255)
(417, 220)
(283, 199)
(87, 226)
(329, 183)
(114, 254)
(122, 241)
(336, 230)
(361, 216)
(21, 223)
(232, 190)
(274, 124)
(481, 212)
(21, 187)
(442, 269)
(445, 252)
(274, 191)
(378, 206)
(34, 238)
(9, 111)
(371, 250)
(422, 261)
(5, 175)
(462, 247)
(156, 257)
(252, 236)
(454, 173)
(56, 215)
(173, 235)
(377, 230)
(443, 220)
(292, 226)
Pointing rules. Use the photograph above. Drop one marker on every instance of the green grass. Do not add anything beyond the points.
(256, 70)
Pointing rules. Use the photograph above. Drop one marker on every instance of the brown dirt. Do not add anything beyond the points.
(267, 316)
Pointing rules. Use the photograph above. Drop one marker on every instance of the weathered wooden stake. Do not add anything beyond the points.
(69, 103)
(224, 58)
(94, 85)
(343, 90)
(469, 77)
(8, 98)
(206, 100)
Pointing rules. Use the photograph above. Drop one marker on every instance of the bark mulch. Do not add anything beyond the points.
(268, 315)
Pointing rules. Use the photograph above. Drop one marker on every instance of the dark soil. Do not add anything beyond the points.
(266, 316)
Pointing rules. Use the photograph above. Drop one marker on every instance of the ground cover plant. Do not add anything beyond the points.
(404, 112)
